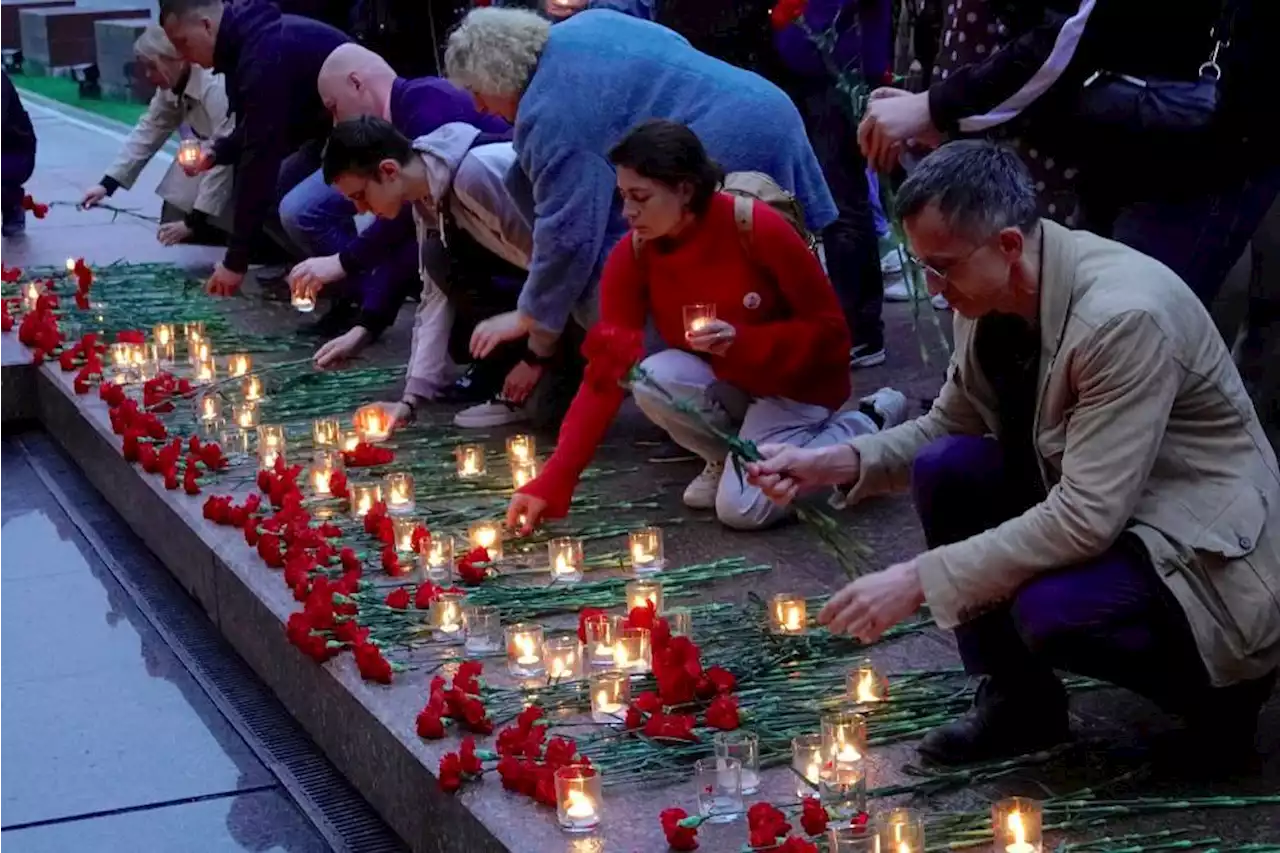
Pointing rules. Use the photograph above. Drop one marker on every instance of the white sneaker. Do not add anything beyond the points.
(891, 263)
(940, 302)
(496, 412)
(888, 405)
(701, 493)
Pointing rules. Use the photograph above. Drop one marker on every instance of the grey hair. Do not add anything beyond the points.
(980, 188)
(154, 45)
(494, 51)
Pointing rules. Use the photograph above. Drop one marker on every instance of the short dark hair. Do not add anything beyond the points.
(980, 187)
(181, 8)
(670, 153)
(358, 145)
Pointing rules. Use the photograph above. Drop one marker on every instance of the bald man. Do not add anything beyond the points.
(367, 275)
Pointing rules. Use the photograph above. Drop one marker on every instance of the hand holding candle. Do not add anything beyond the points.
(194, 157)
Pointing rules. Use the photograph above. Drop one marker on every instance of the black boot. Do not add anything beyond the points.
(1222, 726)
(1007, 719)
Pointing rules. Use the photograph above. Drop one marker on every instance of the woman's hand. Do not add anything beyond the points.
(893, 117)
(314, 273)
(93, 196)
(715, 337)
(786, 471)
(521, 381)
(341, 348)
(872, 604)
(173, 233)
(495, 331)
(525, 513)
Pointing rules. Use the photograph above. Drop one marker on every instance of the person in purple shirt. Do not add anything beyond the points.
(377, 268)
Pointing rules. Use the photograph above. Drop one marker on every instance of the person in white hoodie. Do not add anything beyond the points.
(474, 242)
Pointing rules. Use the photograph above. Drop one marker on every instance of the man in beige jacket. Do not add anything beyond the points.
(1096, 491)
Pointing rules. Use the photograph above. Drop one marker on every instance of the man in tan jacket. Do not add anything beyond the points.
(1096, 491)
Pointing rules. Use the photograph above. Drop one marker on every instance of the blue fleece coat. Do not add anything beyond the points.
(602, 73)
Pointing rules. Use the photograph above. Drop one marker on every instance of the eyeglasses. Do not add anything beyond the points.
(941, 275)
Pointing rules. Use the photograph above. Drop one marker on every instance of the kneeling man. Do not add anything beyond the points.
(1096, 490)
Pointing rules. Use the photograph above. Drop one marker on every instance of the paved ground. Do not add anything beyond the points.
(1121, 732)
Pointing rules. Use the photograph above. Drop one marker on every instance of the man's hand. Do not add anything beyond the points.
(525, 513)
(223, 282)
(786, 471)
(173, 233)
(94, 196)
(314, 273)
(341, 348)
(893, 117)
(715, 337)
(872, 604)
(521, 380)
(495, 331)
(201, 164)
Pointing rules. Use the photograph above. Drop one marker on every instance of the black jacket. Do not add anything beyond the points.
(271, 62)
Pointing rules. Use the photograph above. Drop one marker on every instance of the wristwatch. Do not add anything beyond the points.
(532, 358)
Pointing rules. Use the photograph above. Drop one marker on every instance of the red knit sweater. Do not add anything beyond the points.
(791, 339)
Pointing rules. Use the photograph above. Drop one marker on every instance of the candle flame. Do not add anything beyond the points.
(813, 772)
(562, 565)
(484, 537)
(868, 690)
(71, 264)
(210, 411)
(578, 804)
(1017, 827)
(321, 482)
(848, 753)
(640, 554)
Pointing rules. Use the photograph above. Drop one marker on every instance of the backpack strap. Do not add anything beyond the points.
(744, 214)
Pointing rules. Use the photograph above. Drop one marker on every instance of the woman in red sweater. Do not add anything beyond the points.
(773, 363)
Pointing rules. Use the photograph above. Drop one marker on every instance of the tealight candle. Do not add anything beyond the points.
(745, 747)
(578, 795)
(192, 330)
(206, 370)
(200, 350)
(301, 298)
(239, 364)
(521, 448)
(372, 424)
(398, 490)
(404, 528)
(522, 473)
(486, 535)
(900, 831)
(524, 649)
(71, 264)
(349, 441)
(31, 297)
(806, 763)
(864, 685)
(564, 556)
(236, 440)
(680, 621)
(470, 460)
(271, 444)
(189, 152)
(363, 497)
(646, 550)
(787, 614)
(161, 355)
(697, 317)
(1018, 825)
(121, 355)
(435, 558)
(598, 629)
(641, 593)
(325, 464)
(632, 651)
(610, 693)
(162, 334)
(252, 388)
(446, 615)
(245, 415)
(210, 408)
(844, 738)
(561, 655)
(325, 432)
(482, 628)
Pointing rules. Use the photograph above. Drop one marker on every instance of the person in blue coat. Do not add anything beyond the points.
(572, 91)
(19, 144)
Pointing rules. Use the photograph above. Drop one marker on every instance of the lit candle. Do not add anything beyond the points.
(245, 415)
(210, 408)
(162, 334)
(398, 488)
(524, 649)
(561, 655)
(787, 614)
(521, 448)
(646, 549)
(239, 364)
(632, 651)
(31, 297)
(372, 424)
(900, 830)
(206, 370)
(806, 762)
(363, 497)
(121, 356)
(446, 614)
(470, 460)
(1017, 823)
(486, 535)
(71, 264)
(271, 445)
(350, 440)
(189, 152)
(326, 463)
(565, 558)
(404, 528)
(864, 685)
(522, 473)
(482, 628)
(641, 593)
(610, 693)
(253, 388)
(577, 796)
(161, 354)
(435, 558)
(201, 351)
(696, 317)
(844, 737)
(192, 330)
(325, 432)
(301, 298)
(598, 629)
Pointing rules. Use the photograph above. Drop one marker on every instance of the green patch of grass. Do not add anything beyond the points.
(64, 90)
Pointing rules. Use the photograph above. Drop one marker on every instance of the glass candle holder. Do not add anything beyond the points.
(524, 650)
(349, 441)
(372, 424)
(865, 685)
(522, 473)
(481, 628)
(206, 371)
(236, 440)
(470, 459)
(679, 621)
(718, 782)
(199, 349)
(162, 334)
(189, 152)
(807, 759)
(446, 616)
(562, 658)
(486, 535)
(324, 464)
(245, 415)
(209, 408)
(900, 831)
(632, 651)
(610, 693)
(697, 317)
(271, 444)
(1018, 825)
(302, 298)
(239, 364)
(403, 528)
(564, 556)
(522, 448)
(578, 797)
(325, 432)
(31, 296)
(641, 593)
(397, 487)
(363, 497)
(850, 839)
(787, 614)
(844, 737)
(252, 388)
(646, 549)
(598, 629)
(121, 356)
(159, 355)
(192, 329)
(435, 558)
(745, 747)
(842, 787)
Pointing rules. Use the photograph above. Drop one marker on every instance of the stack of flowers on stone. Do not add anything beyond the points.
(457, 767)
(146, 442)
(159, 391)
(473, 566)
(527, 761)
(459, 702)
(38, 329)
(85, 358)
(367, 455)
(84, 280)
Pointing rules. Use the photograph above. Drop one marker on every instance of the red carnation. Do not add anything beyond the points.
(398, 598)
(372, 665)
(717, 679)
(795, 844)
(470, 761)
(430, 724)
(671, 727)
(679, 836)
(723, 713)
(786, 13)
(450, 772)
(813, 816)
(766, 823)
(338, 484)
(473, 566)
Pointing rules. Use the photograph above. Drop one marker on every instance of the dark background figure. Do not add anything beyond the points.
(409, 34)
(19, 158)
